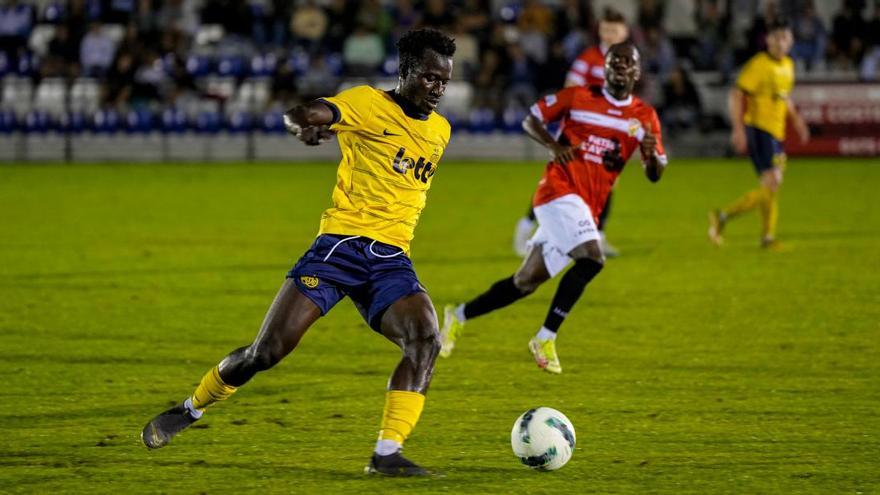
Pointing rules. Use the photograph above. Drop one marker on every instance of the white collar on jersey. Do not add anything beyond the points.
(614, 101)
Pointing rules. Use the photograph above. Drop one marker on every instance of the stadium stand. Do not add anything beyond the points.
(204, 67)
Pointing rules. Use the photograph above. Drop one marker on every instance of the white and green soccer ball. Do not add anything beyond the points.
(543, 439)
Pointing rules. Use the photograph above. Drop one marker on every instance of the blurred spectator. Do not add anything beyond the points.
(520, 92)
(118, 11)
(535, 25)
(810, 37)
(871, 60)
(150, 80)
(284, 84)
(681, 107)
(489, 83)
(62, 55)
(574, 23)
(757, 34)
(315, 81)
(404, 17)
(77, 19)
(551, 77)
(120, 80)
(847, 35)
(474, 17)
(233, 15)
(16, 23)
(96, 51)
(363, 52)
(437, 15)
(181, 15)
(308, 25)
(650, 14)
(711, 50)
(374, 16)
(536, 16)
(658, 55)
(340, 21)
(147, 19)
(467, 52)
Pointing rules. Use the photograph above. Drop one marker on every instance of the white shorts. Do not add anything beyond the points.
(563, 224)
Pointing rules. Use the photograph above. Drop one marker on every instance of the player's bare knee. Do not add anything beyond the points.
(422, 337)
(528, 282)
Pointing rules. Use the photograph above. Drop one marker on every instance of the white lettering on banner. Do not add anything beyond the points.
(853, 115)
(859, 146)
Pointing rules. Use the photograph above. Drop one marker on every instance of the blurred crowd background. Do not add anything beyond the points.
(237, 64)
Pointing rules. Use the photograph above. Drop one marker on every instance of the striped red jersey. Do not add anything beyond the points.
(595, 122)
(588, 69)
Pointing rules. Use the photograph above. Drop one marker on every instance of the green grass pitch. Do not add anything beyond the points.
(687, 369)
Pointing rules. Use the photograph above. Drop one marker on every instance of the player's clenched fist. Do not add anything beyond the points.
(315, 135)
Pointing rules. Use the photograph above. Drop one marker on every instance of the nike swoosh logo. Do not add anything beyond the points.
(386, 133)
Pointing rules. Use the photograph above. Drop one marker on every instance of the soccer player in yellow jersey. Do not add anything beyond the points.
(759, 107)
(391, 143)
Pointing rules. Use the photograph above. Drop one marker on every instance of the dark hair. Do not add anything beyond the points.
(612, 15)
(411, 47)
(777, 24)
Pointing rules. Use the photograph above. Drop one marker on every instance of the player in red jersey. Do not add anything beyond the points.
(601, 129)
(587, 70)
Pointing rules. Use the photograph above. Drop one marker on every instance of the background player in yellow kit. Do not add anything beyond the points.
(391, 143)
(759, 105)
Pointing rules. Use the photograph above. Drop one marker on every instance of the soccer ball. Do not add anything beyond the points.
(543, 439)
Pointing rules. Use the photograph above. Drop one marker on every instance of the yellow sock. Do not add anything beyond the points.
(769, 215)
(211, 389)
(746, 202)
(402, 411)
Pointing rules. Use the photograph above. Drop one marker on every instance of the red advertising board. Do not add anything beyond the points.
(844, 119)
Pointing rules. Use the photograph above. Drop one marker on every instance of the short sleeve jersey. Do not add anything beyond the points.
(588, 69)
(594, 122)
(767, 83)
(388, 162)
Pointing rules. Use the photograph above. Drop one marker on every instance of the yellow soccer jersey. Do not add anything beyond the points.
(388, 162)
(767, 83)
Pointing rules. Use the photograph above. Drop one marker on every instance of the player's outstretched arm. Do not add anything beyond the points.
(536, 130)
(310, 122)
(653, 167)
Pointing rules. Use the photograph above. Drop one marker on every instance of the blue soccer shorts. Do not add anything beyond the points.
(765, 150)
(373, 274)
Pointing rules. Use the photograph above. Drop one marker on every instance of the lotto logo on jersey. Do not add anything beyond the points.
(422, 169)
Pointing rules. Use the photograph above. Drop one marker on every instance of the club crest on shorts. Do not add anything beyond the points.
(634, 126)
(310, 282)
